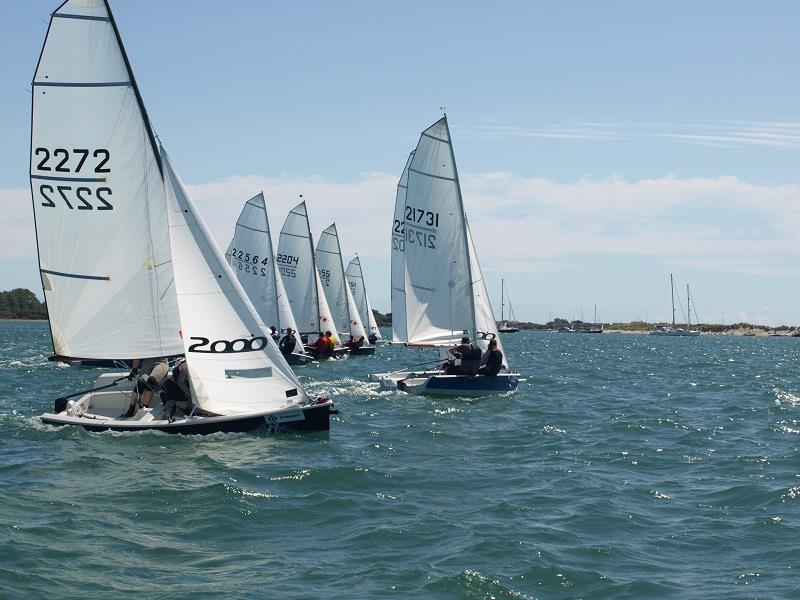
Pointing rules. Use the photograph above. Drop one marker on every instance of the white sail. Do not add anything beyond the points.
(355, 280)
(234, 365)
(301, 281)
(98, 196)
(357, 329)
(439, 302)
(485, 324)
(250, 256)
(328, 257)
(285, 316)
(398, 282)
(326, 320)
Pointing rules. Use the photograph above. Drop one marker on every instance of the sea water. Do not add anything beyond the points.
(626, 466)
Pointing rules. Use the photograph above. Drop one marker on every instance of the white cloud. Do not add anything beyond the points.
(530, 224)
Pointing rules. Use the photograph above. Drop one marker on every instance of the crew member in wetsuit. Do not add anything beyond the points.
(151, 373)
(273, 331)
(493, 360)
(372, 338)
(288, 342)
(470, 358)
(176, 392)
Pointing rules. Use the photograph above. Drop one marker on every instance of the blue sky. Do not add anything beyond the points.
(602, 145)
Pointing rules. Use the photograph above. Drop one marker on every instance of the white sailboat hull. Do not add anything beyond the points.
(100, 411)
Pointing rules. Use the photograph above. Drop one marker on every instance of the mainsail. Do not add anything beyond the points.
(297, 266)
(398, 282)
(98, 196)
(439, 303)
(328, 256)
(251, 258)
(234, 366)
(355, 279)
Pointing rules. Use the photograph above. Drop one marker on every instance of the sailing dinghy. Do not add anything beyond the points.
(437, 283)
(251, 258)
(355, 280)
(128, 266)
(301, 279)
(340, 299)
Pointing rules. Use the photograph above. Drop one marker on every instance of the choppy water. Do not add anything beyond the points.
(625, 467)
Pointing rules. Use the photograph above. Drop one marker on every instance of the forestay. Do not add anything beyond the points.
(398, 282)
(234, 366)
(355, 280)
(439, 303)
(98, 196)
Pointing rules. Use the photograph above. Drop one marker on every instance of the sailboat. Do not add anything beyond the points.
(355, 279)
(594, 327)
(301, 279)
(673, 330)
(340, 300)
(504, 326)
(128, 267)
(251, 258)
(435, 273)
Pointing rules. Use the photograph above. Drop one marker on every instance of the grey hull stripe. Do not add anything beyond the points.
(427, 289)
(252, 228)
(82, 84)
(82, 17)
(432, 175)
(433, 137)
(57, 178)
(75, 275)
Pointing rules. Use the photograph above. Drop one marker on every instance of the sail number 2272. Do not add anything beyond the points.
(74, 193)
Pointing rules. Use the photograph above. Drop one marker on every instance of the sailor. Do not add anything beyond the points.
(274, 333)
(355, 343)
(470, 358)
(321, 344)
(288, 342)
(491, 361)
(176, 392)
(150, 374)
(331, 341)
(372, 338)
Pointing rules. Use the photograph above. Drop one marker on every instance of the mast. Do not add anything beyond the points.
(314, 265)
(502, 299)
(274, 266)
(672, 293)
(688, 307)
(464, 224)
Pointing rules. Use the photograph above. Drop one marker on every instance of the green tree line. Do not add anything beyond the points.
(21, 304)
